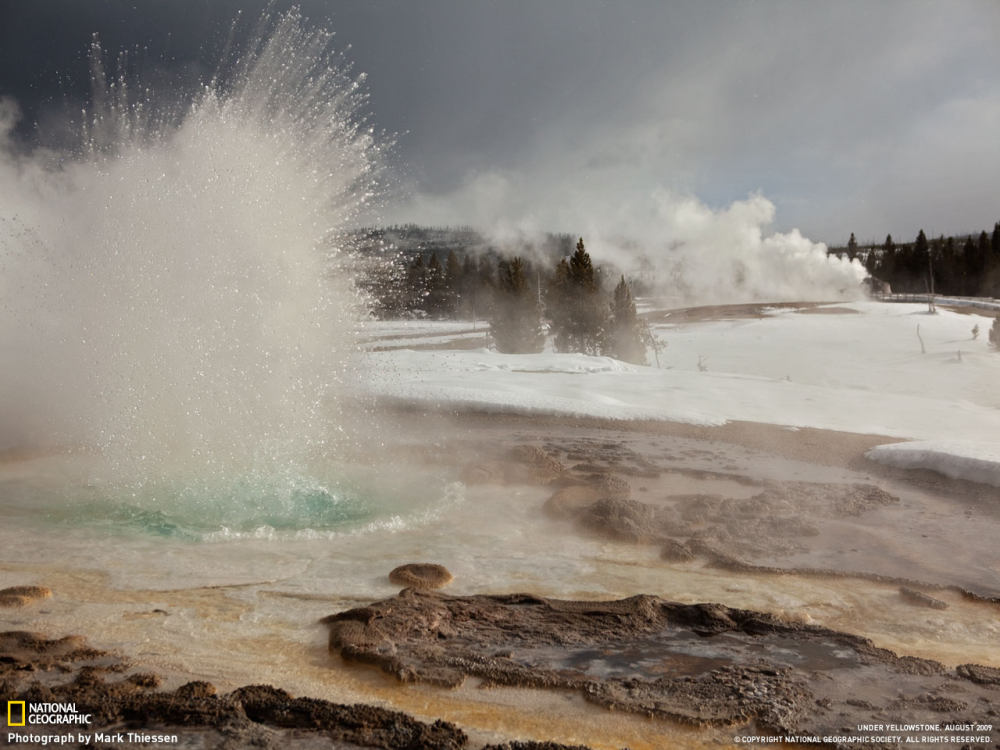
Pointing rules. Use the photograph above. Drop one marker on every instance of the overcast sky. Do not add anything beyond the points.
(870, 116)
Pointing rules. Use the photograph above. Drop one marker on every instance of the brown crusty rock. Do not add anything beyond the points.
(19, 596)
(421, 575)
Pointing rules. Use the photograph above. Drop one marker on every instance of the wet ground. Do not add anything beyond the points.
(784, 585)
(758, 498)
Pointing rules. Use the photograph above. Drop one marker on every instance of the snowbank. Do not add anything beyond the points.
(959, 459)
(860, 367)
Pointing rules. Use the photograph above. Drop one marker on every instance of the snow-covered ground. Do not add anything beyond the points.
(392, 329)
(859, 368)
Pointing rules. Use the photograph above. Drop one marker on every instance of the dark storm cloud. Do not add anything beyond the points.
(852, 116)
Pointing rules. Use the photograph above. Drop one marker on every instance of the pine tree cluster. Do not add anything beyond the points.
(522, 300)
(966, 265)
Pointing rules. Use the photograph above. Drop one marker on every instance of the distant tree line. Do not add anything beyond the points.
(420, 285)
(963, 265)
(525, 300)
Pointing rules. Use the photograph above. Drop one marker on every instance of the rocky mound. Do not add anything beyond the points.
(36, 669)
(421, 575)
(19, 596)
(701, 664)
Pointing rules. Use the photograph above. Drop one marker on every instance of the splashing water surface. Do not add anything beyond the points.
(171, 295)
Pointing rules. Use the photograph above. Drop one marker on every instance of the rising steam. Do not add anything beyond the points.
(680, 248)
(169, 292)
(695, 255)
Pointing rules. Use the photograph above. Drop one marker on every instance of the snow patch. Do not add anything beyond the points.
(958, 459)
(862, 372)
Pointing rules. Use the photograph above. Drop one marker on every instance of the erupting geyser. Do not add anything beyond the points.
(170, 296)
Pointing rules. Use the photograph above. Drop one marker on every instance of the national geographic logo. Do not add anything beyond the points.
(21, 713)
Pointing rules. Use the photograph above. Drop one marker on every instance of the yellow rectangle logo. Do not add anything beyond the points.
(10, 713)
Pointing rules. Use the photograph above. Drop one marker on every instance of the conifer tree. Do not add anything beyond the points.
(575, 307)
(941, 265)
(983, 253)
(920, 262)
(468, 288)
(581, 270)
(516, 322)
(451, 285)
(920, 248)
(627, 333)
(852, 248)
(436, 301)
(971, 267)
(434, 270)
(992, 286)
(452, 271)
(887, 261)
(487, 278)
(558, 303)
(416, 284)
(950, 261)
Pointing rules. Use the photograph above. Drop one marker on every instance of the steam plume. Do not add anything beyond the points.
(694, 254)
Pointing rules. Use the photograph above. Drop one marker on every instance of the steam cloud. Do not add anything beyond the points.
(692, 253)
(702, 256)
